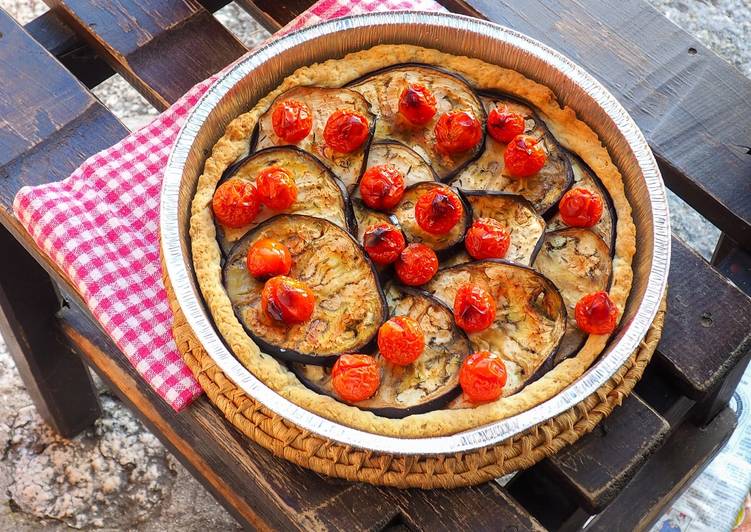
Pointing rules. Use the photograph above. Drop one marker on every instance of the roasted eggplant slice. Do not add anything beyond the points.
(428, 383)
(366, 217)
(412, 166)
(322, 102)
(584, 177)
(543, 189)
(578, 262)
(319, 192)
(383, 89)
(514, 212)
(405, 214)
(530, 314)
(350, 306)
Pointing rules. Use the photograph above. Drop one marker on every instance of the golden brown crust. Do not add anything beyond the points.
(562, 122)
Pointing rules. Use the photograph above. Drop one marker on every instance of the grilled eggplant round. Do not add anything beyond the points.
(578, 262)
(530, 314)
(350, 306)
(383, 89)
(441, 244)
(411, 165)
(322, 102)
(543, 189)
(515, 213)
(319, 192)
(428, 383)
(586, 178)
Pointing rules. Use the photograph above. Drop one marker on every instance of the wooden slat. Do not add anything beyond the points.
(665, 477)
(733, 262)
(273, 14)
(600, 464)
(707, 327)
(691, 105)
(163, 47)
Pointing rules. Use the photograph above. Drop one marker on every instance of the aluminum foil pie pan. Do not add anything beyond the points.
(246, 82)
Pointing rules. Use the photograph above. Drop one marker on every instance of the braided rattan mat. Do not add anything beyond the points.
(285, 439)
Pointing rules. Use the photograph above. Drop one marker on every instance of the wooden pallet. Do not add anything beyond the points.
(691, 105)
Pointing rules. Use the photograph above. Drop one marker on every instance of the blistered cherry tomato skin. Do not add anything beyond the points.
(355, 378)
(346, 131)
(416, 265)
(438, 210)
(487, 239)
(400, 340)
(287, 300)
(292, 121)
(474, 308)
(383, 242)
(596, 313)
(504, 125)
(524, 156)
(482, 376)
(235, 203)
(382, 187)
(457, 132)
(267, 258)
(580, 207)
(417, 104)
(276, 188)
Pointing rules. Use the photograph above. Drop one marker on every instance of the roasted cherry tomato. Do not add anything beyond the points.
(580, 208)
(400, 340)
(438, 210)
(417, 104)
(482, 376)
(596, 313)
(474, 308)
(383, 242)
(487, 239)
(267, 258)
(525, 156)
(355, 377)
(504, 125)
(457, 132)
(292, 121)
(287, 300)
(276, 188)
(382, 186)
(416, 265)
(235, 203)
(346, 131)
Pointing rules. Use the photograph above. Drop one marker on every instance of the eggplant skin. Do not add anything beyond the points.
(530, 313)
(319, 192)
(516, 213)
(429, 383)
(350, 305)
(585, 178)
(323, 101)
(578, 262)
(383, 88)
(543, 189)
(443, 245)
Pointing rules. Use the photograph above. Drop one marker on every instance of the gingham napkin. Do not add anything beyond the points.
(101, 226)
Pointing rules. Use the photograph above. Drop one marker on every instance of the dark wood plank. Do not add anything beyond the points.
(707, 327)
(665, 477)
(163, 48)
(273, 14)
(600, 464)
(56, 379)
(691, 105)
(733, 262)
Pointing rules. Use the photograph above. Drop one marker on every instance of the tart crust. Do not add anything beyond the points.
(572, 133)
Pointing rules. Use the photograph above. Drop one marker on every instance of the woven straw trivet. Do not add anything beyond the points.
(324, 456)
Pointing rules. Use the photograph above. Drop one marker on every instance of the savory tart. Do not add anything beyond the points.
(412, 243)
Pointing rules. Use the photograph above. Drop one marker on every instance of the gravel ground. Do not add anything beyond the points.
(117, 475)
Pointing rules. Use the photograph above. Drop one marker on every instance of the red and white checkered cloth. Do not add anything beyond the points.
(101, 226)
